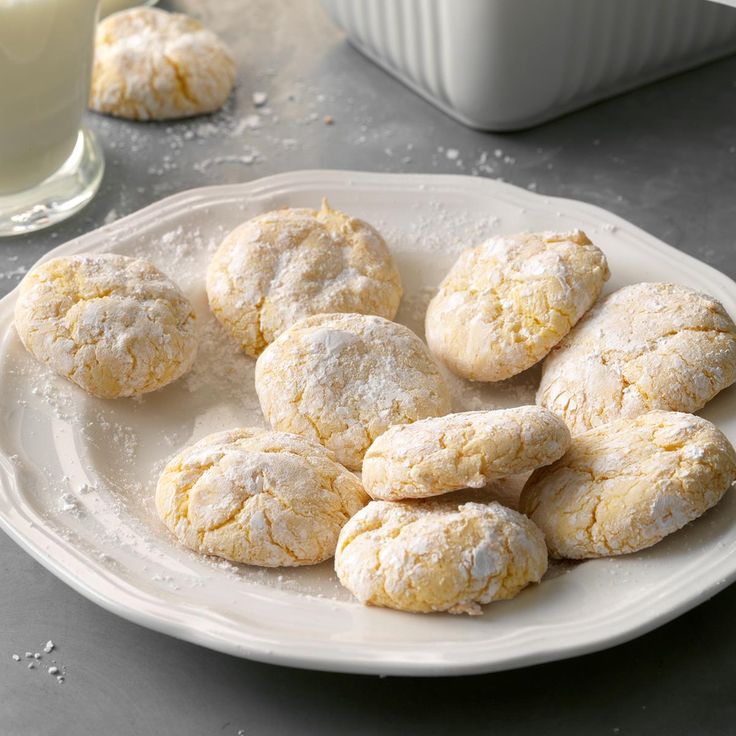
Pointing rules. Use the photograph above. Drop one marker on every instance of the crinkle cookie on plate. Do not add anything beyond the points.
(505, 304)
(259, 497)
(646, 346)
(344, 379)
(284, 265)
(623, 486)
(116, 326)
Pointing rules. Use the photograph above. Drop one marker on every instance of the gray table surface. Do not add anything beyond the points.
(664, 157)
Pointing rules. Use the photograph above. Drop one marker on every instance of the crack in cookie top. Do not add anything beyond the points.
(426, 556)
(116, 326)
(467, 450)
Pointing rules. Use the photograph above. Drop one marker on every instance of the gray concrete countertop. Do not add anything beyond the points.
(663, 157)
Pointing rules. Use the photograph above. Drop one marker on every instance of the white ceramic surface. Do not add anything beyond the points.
(77, 473)
(509, 64)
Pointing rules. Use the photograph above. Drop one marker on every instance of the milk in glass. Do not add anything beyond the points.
(46, 51)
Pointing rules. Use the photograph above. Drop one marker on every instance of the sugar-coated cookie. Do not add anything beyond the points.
(505, 304)
(292, 263)
(623, 486)
(428, 556)
(344, 379)
(433, 456)
(646, 346)
(116, 326)
(259, 497)
(154, 65)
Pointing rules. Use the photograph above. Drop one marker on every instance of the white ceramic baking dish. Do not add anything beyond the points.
(509, 64)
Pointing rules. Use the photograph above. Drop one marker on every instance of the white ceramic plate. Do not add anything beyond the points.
(77, 473)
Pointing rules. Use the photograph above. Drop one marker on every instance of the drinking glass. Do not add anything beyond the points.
(50, 165)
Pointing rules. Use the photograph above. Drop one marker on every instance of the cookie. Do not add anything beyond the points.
(154, 65)
(646, 346)
(292, 263)
(116, 326)
(505, 304)
(258, 497)
(624, 486)
(344, 379)
(426, 556)
(434, 456)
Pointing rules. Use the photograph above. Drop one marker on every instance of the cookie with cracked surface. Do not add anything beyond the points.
(646, 346)
(434, 456)
(259, 497)
(344, 379)
(154, 65)
(505, 304)
(426, 556)
(115, 326)
(292, 263)
(624, 486)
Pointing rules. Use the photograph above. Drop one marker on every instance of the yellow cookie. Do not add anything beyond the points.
(115, 326)
(154, 65)
(292, 263)
(505, 304)
(344, 379)
(434, 456)
(623, 486)
(428, 556)
(646, 346)
(259, 497)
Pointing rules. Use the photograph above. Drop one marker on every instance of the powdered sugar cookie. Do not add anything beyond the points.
(428, 556)
(292, 263)
(623, 486)
(116, 326)
(344, 379)
(505, 304)
(434, 456)
(154, 65)
(259, 497)
(646, 346)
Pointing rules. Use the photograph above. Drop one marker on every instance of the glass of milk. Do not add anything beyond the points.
(50, 165)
